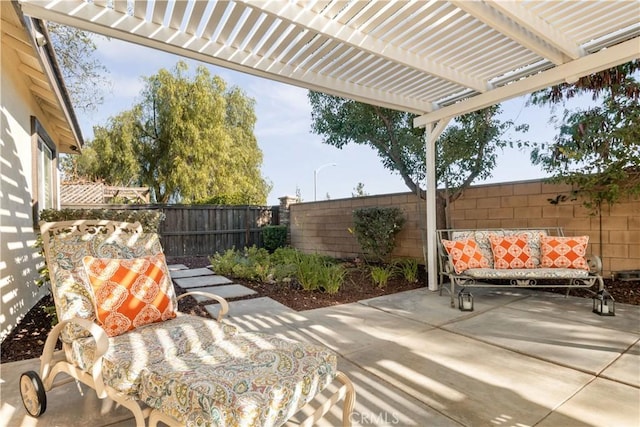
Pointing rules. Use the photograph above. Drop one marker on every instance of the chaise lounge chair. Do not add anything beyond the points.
(122, 335)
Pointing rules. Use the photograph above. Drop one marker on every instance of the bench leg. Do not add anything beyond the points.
(453, 290)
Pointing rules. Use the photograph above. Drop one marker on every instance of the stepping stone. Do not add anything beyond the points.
(262, 305)
(200, 281)
(193, 272)
(176, 267)
(225, 291)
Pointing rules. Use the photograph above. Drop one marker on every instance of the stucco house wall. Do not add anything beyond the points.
(19, 261)
(20, 108)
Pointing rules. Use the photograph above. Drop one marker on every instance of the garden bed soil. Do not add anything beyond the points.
(27, 339)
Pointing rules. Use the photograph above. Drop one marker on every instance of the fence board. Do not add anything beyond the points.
(202, 230)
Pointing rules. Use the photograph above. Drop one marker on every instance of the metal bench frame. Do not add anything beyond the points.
(462, 281)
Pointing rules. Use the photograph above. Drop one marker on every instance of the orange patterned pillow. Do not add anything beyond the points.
(130, 293)
(564, 252)
(465, 254)
(511, 252)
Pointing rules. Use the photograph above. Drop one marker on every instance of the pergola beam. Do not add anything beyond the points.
(571, 71)
(487, 14)
(541, 28)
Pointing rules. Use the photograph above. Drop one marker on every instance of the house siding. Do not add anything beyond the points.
(19, 261)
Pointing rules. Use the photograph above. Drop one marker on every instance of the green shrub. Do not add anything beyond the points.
(286, 255)
(376, 229)
(223, 263)
(381, 275)
(308, 271)
(408, 268)
(284, 273)
(274, 237)
(313, 272)
(333, 277)
(256, 255)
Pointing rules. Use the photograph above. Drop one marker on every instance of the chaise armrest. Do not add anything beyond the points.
(224, 305)
(102, 345)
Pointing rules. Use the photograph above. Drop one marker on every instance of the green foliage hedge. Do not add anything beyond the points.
(274, 237)
(376, 229)
(284, 266)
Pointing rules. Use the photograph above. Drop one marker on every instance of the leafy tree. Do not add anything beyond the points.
(359, 191)
(597, 149)
(111, 155)
(190, 140)
(85, 77)
(342, 121)
(466, 150)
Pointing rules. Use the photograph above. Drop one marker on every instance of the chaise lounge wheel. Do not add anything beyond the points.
(32, 392)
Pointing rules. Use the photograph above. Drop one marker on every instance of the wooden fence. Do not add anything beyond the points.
(202, 230)
(205, 230)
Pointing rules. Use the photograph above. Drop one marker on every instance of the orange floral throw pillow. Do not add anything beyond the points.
(564, 252)
(130, 293)
(511, 252)
(465, 254)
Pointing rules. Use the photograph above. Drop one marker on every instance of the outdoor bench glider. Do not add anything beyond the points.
(122, 335)
(519, 257)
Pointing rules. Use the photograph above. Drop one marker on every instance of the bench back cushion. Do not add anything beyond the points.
(66, 243)
(482, 239)
(565, 252)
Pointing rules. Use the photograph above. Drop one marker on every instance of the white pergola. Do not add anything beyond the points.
(438, 59)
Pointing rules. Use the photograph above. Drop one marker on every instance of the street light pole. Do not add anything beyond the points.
(315, 179)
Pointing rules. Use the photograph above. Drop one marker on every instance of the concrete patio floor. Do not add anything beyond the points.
(522, 358)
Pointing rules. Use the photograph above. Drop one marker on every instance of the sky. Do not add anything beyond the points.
(291, 152)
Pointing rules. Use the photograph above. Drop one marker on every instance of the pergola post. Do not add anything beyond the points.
(431, 134)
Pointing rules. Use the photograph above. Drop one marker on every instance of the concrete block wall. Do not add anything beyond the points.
(527, 204)
(323, 227)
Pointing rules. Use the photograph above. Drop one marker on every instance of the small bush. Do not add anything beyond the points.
(284, 256)
(381, 275)
(223, 263)
(274, 237)
(313, 272)
(408, 268)
(333, 278)
(376, 229)
(308, 271)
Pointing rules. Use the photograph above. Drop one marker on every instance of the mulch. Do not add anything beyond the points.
(27, 340)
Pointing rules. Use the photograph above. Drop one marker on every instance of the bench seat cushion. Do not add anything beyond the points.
(248, 379)
(130, 353)
(527, 273)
